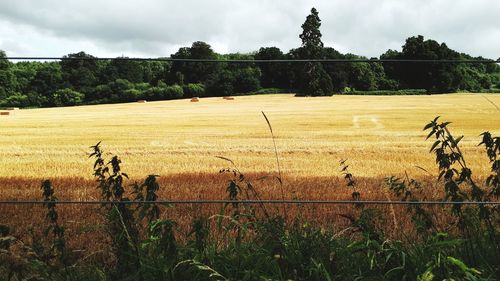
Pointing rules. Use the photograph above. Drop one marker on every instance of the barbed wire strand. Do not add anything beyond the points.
(466, 61)
(290, 202)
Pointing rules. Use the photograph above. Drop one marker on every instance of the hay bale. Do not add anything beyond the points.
(228, 98)
(12, 108)
(142, 101)
(195, 99)
(4, 113)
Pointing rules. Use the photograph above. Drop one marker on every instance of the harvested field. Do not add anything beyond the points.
(179, 141)
(379, 135)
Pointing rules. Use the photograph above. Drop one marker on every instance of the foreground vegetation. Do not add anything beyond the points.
(244, 242)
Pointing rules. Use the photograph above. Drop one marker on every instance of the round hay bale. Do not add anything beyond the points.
(12, 108)
(4, 113)
(142, 101)
(195, 99)
(228, 98)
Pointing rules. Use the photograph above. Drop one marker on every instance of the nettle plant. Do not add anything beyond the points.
(459, 186)
(124, 221)
(453, 168)
(492, 145)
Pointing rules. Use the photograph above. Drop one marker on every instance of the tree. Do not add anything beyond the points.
(319, 83)
(315, 80)
(67, 97)
(220, 84)
(155, 71)
(7, 79)
(121, 68)
(193, 72)
(246, 80)
(337, 71)
(80, 71)
(434, 77)
(273, 74)
(311, 36)
(47, 80)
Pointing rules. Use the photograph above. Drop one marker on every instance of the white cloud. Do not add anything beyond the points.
(159, 28)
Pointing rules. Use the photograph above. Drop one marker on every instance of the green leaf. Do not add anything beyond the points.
(430, 134)
(460, 264)
(436, 143)
(444, 124)
(430, 125)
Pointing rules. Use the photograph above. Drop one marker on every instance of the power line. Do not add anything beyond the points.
(286, 202)
(451, 61)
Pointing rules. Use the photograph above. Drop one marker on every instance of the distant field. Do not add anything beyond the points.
(178, 140)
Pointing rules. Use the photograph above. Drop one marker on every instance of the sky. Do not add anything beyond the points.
(158, 28)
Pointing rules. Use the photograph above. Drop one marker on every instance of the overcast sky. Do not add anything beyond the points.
(152, 28)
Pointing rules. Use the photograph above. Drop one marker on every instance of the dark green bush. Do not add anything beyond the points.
(194, 90)
(173, 92)
(407, 92)
(67, 97)
(271, 91)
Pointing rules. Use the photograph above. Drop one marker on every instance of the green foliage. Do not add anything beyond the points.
(79, 71)
(193, 72)
(173, 92)
(246, 80)
(316, 81)
(270, 91)
(408, 92)
(194, 90)
(273, 74)
(66, 96)
(15, 100)
(121, 68)
(220, 84)
(58, 248)
(492, 145)
(311, 36)
(163, 92)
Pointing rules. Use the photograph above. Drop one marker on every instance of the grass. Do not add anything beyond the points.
(179, 141)
(381, 136)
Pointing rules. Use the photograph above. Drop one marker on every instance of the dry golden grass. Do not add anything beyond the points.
(179, 140)
(380, 135)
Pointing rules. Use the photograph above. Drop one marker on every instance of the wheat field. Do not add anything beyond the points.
(179, 140)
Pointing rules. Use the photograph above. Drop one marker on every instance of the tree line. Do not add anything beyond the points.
(81, 80)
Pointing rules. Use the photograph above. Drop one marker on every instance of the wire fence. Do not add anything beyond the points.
(282, 202)
(453, 61)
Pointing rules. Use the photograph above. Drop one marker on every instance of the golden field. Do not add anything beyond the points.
(179, 140)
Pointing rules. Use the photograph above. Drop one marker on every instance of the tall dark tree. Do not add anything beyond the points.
(311, 35)
(315, 81)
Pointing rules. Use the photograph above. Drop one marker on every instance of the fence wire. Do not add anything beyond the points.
(453, 61)
(283, 202)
